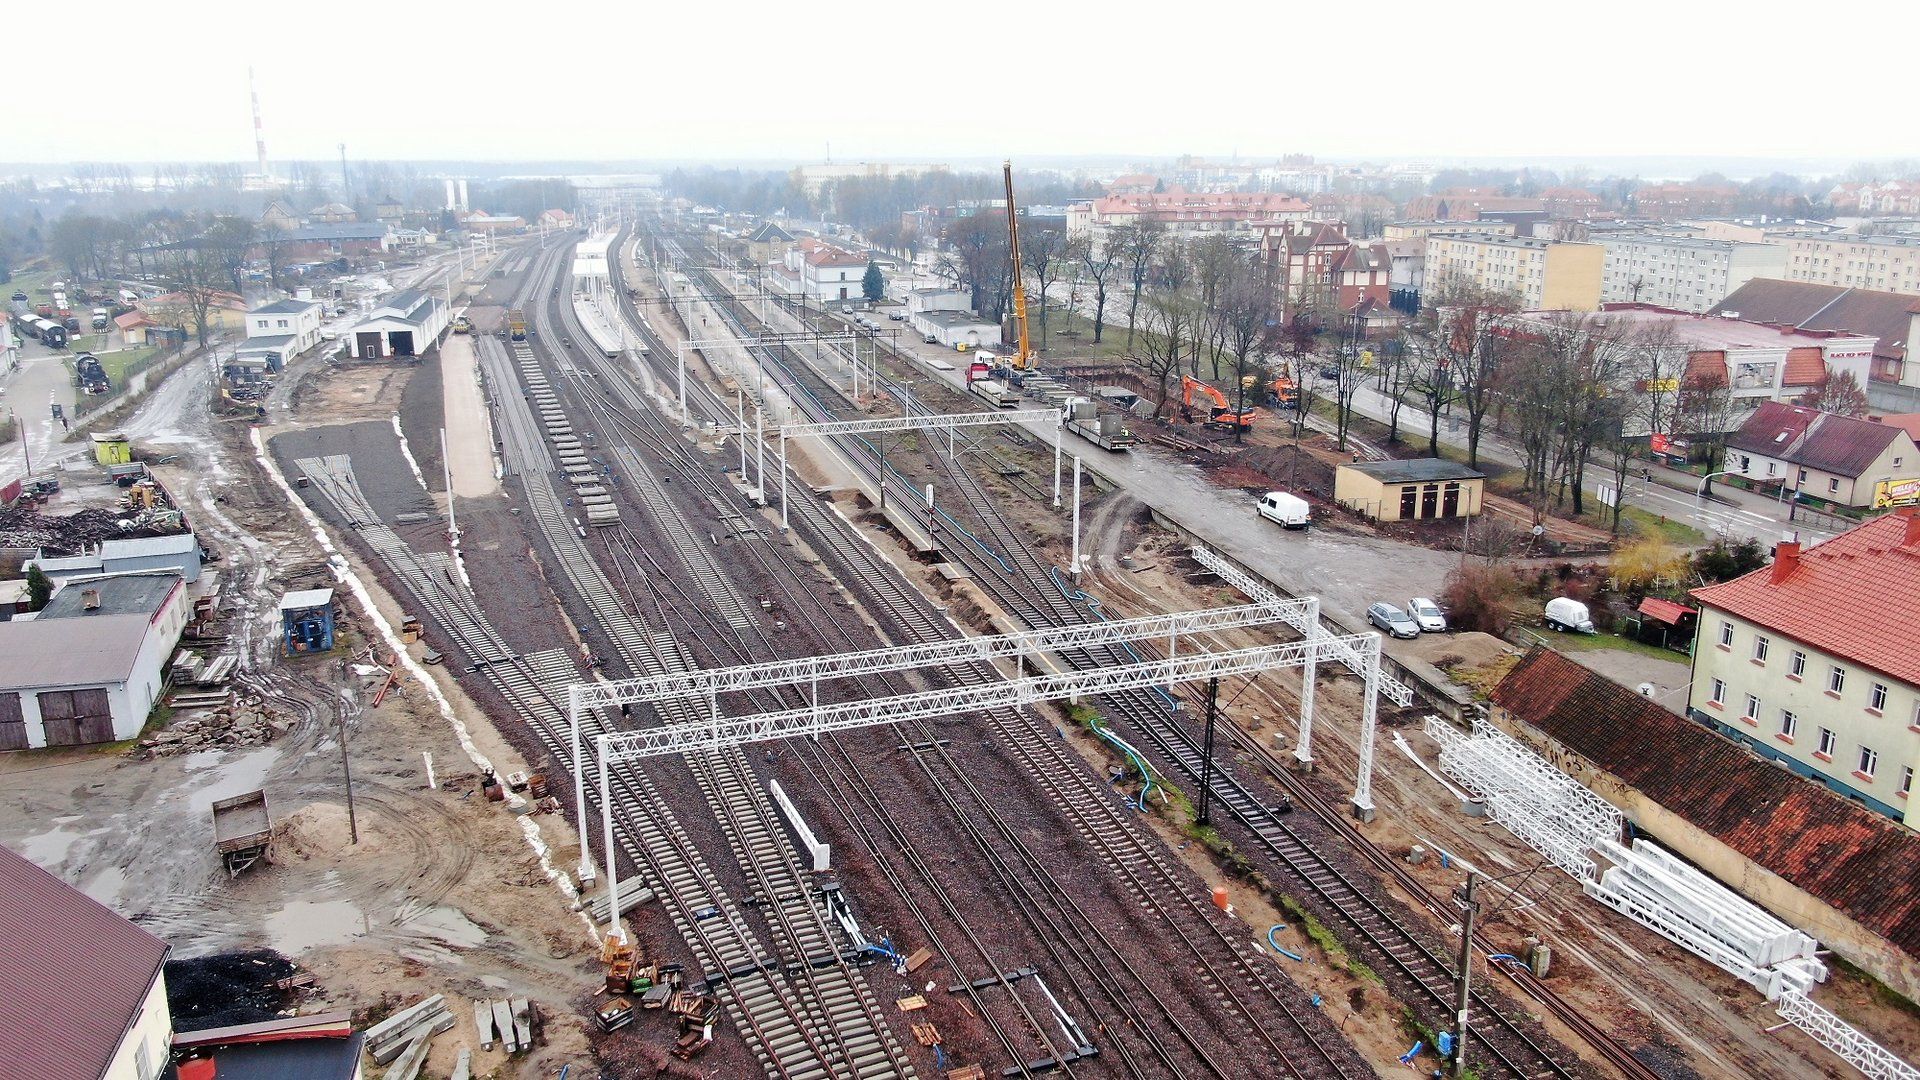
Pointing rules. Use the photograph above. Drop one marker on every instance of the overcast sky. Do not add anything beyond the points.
(918, 81)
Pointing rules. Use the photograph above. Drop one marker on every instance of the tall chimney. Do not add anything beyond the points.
(1786, 559)
(452, 203)
(1912, 514)
(463, 196)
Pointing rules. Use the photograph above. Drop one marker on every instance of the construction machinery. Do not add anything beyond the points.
(1220, 415)
(1022, 359)
(517, 324)
(1281, 392)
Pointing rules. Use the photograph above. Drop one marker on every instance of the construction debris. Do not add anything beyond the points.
(225, 727)
(632, 894)
(395, 1036)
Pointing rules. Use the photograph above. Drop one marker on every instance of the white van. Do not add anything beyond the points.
(1566, 613)
(1290, 511)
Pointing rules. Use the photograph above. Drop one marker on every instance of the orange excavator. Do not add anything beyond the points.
(1220, 415)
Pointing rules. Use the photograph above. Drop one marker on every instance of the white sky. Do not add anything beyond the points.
(1437, 78)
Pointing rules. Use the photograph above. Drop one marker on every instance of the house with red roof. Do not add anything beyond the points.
(1826, 863)
(85, 989)
(1844, 460)
(1814, 661)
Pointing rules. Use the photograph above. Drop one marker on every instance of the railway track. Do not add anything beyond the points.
(1037, 594)
(1097, 817)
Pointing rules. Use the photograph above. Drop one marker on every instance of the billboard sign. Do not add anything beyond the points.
(1891, 493)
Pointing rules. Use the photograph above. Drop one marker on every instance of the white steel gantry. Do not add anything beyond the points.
(701, 345)
(1362, 658)
(948, 422)
(721, 732)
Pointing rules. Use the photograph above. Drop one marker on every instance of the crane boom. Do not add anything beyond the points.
(1024, 356)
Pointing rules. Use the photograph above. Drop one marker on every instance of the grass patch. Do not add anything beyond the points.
(1615, 643)
(1648, 524)
(1317, 932)
(1070, 334)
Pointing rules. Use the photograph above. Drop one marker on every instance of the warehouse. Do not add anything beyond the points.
(89, 666)
(406, 326)
(1413, 490)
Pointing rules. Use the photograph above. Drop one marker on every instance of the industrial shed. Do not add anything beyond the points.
(405, 326)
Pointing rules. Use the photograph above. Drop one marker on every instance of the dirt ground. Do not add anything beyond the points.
(441, 894)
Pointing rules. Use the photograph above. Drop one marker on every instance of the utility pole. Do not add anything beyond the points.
(1205, 816)
(346, 766)
(1461, 996)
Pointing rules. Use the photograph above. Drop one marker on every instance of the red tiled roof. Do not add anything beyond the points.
(1832, 848)
(1804, 368)
(75, 974)
(1851, 596)
(1907, 422)
(1665, 610)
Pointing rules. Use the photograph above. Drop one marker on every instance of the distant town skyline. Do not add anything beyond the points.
(1501, 81)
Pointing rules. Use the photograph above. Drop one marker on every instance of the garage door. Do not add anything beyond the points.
(13, 725)
(402, 342)
(56, 716)
(368, 345)
(72, 717)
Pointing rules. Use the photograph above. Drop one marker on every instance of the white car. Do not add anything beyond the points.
(1427, 614)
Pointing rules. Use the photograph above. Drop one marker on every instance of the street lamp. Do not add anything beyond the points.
(1706, 483)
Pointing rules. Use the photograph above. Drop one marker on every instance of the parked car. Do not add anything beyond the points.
(1569, 615)
(896, 316)
(846, 309)
(930, 339)
(1428, 615)
(1393, 621)
(1291, 511)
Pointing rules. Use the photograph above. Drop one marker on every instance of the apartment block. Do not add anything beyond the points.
(1814, 661)
(1682, 273)
(1889, 263)
(1544, 274)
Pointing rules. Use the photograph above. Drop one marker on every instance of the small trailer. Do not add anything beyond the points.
(1108, 432)
(241, 830)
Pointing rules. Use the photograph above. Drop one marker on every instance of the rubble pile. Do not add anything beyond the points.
(69, 534)
(224, 728)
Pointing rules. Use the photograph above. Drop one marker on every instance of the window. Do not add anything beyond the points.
(1753, 708)
(1719, 692)
(1836, 679)
(1797, 664)
(1827, 742)
(1803, 476)
(1877, 697)
(1789, 724)
(1869, 761)
(1906, 781)
(1726, 634)
(1833, 485)
(282, 324)
(1760, 645)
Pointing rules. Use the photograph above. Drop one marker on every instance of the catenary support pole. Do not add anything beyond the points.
(783, 479)
(585, 871)
(1309, 671)
(614, 928)
(1206, 753)
(1369, 723)
(760, 452)
(1059, 436)
(1076, 519)
(1461, 989)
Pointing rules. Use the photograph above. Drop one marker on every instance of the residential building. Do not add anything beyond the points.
(407, 325)
(1889, 263)
(1814, 661)
(826, 273)
(86, 994)
(1413, 489)
(1301, 257)
(1886, 197)
(318, 240)
(1406, 271)
(1684, 200)
(1826, 864)
(768, 243)
(332, 213)
(1842, 460)
(1420, 230)
(225, 311)
(280, 331)
(1541, 273)
(1571, 203)
(1470, 204)
(1760, 363)
(1683, 273)
(554, 219)
(1187, 214)
(1892, 319)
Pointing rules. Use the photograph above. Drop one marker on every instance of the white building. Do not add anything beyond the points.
(86, 989)
(1681, 272)
(88, 667)
(828, 274)
(281, 331)
(955, 328)
(407, 325)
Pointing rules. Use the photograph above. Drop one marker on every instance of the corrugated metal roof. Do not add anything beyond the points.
(126, 594)
(1811, 306)
(40, 654)
(306, 598)
(1832, 848)
(75, 974)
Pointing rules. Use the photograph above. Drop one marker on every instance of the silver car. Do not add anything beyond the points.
(1428, 615)
(1393, 621)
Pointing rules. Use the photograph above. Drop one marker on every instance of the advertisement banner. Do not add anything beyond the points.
(1888, 494)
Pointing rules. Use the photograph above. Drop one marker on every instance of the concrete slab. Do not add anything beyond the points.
(469, 433)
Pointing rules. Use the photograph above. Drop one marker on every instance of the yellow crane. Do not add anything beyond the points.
(1023, 358)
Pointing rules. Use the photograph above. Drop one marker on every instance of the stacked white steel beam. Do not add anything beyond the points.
(1690, 909)
(1541, 805)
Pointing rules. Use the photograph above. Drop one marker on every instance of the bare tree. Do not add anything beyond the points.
(1480, 344)
(1100, 266)
(1244, 307)
(1394, 372)
(1167, 330)
(1138, 245)
(229, 240)
(1705, 408)
(1836, 392)
(1043, 251)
